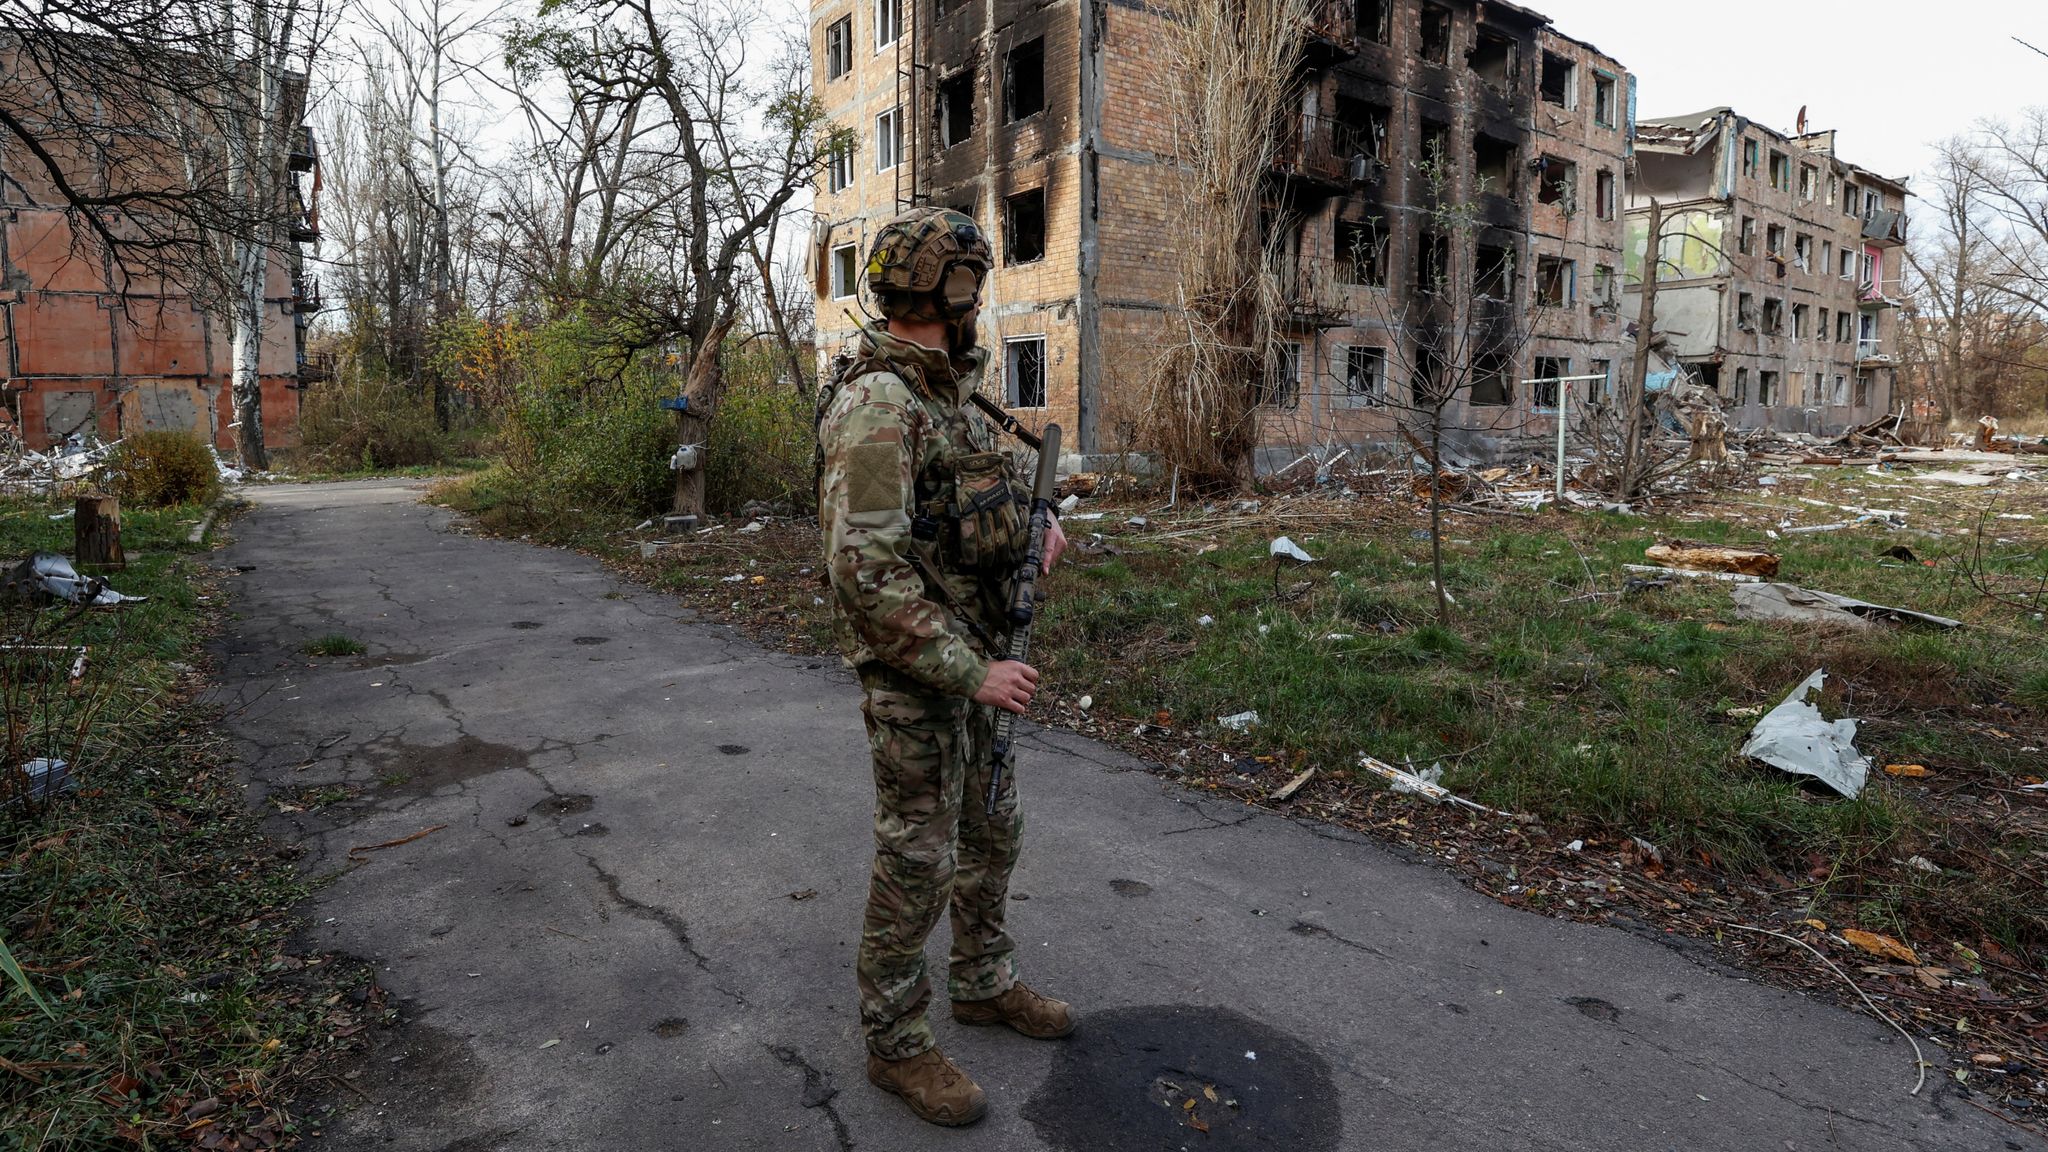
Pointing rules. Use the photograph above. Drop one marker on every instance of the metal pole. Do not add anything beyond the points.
(1564, 399)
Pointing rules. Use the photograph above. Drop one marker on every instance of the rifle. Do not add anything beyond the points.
(1024, 605)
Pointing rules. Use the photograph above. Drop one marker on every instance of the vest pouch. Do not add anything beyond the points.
(988, 515)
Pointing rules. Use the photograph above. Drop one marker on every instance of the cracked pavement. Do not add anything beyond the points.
(636, 928)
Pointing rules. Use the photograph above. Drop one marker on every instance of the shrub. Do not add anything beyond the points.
(164, 467)
(363, 421)
(762, 438)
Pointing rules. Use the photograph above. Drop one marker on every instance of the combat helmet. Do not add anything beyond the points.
(928, 264)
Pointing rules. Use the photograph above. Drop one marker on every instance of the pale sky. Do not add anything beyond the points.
(1890, 76)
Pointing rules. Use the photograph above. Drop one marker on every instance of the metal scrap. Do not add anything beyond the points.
(47, 576)
(1796, 738)
(1789, 602)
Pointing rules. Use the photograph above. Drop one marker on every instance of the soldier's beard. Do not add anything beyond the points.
(961, 334)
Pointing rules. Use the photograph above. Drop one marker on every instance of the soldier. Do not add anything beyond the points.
(924, 525)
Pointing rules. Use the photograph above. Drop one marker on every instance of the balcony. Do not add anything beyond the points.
(316, 368)
(1322, 154)
(1312, 291)
(304, 154)
(1884, 228)
(1870, 353)
(1329, 33)
(306, 294)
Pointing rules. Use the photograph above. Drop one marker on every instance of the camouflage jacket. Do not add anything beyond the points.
(912, 490)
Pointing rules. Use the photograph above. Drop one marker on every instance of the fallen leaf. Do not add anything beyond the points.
(1878, 944)
(1209, 1091)
(551, 1043)
(1198, 1124)
(1816, 925)
(806, 894)
(1188, 1105)
(1907, 770)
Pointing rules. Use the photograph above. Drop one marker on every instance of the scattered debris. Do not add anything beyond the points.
(1239, 721)
(47, 576)
(1907, 770)
(43, 778)
(1286, 791)
(1283, 546)
(1795, 737)
(1791, 603)
(427, 831)
(1687, 573)
(1685, 554)
(1427, 789)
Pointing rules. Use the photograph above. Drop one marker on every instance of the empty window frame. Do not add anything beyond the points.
(839, 168)
(1827, 257)
(1433, 42)
(1781, 171)
(1745, 312)
(1557, 182)
(1434, 142)
(1544, 381)
(1024, 372)
(1361, 253)
(1432, 263)
(1361, 132)
(1850, 198)
(1741, 395)
(1871, 202)
(1024, 80)
(1820, 327)
(1817, 391)
(845, 271)
(1774, 241)
(1493, 165)
(1843, 332)
(1799, 314)
(1024, 227)
(1554, 282)
(1749, 158)
(1802, 252)
(1603, 100)
(1282, 387)
(1493, 58)
(888, 22)
(1560, 81)
(1745, 238)
(1847, 269)
(1603, 286)
(1597, 389)
(1492, 379)
(1809, 182)
(839, 48)
(1376, 20)
(1774, 316)
(888, 139)
(1365, 375)
(1840, 396)
(1603, 194)
(1493, 271)
(1426, 386)
(1862, 389)
(956, 109)
(1767, 388)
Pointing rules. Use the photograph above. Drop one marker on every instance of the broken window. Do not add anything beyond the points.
(1741, 386)
(1848, 262)
(1493, 59)
(1799, 321)
(1361, 254)
(1024, 372)
(1603, 194)
(1820, 328)
(1432, 262)
(1603, 285)
(1749, 155)
(888, 140)
(1802, 252)
(845, 271)
(1545, 382)
(1554, 286)
(839, 169)
(1024, 227)
(1809, 182)
(1375, 20)
(1745, 312)
(1774, 316)
(1434, 44)
(1849, 199)
(1781, 171)
(1281, 387)
(1818, 393)
(1492, 385)
(1492, 272)
(1774, 241)
(839, 48)
(1862, 389)
(1834, 189)
(956, 109)
(1603, 100)
(1427, 385)
(1871, 202)
(1596, 389)
(1767, 388)
(1024, 80)
(1493, 164)
(888, 22)
(1840, 396)
(1557, 182)
(1745, 239)
(1436, 148)
(1362, 135)
(1842, 331)
(1560, 80)
(1827, 256)
(1365, 375)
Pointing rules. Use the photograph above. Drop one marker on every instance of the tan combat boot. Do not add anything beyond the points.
(934, 1087)
(1039, 1017)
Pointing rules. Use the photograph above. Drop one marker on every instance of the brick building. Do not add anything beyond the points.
(1778, 286)
(1047, 120)
(87, 346)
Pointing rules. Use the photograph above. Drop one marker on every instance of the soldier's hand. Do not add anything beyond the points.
(1010, 686)
(1055, 543)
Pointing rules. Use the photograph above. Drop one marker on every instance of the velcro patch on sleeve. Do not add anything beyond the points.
(874, 478)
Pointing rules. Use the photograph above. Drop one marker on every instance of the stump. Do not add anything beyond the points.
(97, 533)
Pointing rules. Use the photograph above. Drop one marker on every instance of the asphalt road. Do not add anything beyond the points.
(635, 930)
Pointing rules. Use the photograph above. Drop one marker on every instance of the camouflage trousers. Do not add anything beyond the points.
(936, 846)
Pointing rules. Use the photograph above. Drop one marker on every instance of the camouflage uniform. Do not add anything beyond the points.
(912, 492)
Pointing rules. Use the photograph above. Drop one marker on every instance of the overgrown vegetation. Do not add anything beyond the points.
(143, 907)
(160, 468)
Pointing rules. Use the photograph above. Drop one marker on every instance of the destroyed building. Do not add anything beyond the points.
(1778, 282)
(1047, 121)
(93, 346)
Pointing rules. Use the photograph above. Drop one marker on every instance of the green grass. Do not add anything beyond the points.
(144, 907)
(334, 644)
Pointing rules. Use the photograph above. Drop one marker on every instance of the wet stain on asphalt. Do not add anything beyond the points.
(591, 641)
(567, 804)
(1594, 1008)
(1166, 1076)
(525, 625)
(734, 749)
(1130, 887)
(670, 1028)
(419, 769)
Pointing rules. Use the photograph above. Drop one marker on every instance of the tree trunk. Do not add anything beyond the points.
(247, 343)
(693, 425)
(691, 428)
(1637, 385)
(96, 533)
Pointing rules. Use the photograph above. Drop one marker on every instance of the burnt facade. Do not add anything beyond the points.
(1048, 121)
(1779, 275)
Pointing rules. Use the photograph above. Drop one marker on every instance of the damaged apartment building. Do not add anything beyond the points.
(1048, 121)
(1778, 273)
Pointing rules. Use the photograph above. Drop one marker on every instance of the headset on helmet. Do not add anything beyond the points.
(928, 264)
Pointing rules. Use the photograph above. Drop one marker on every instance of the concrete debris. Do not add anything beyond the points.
(46, 576)
(1792, 604)
(1796, 738)
(23, 470)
